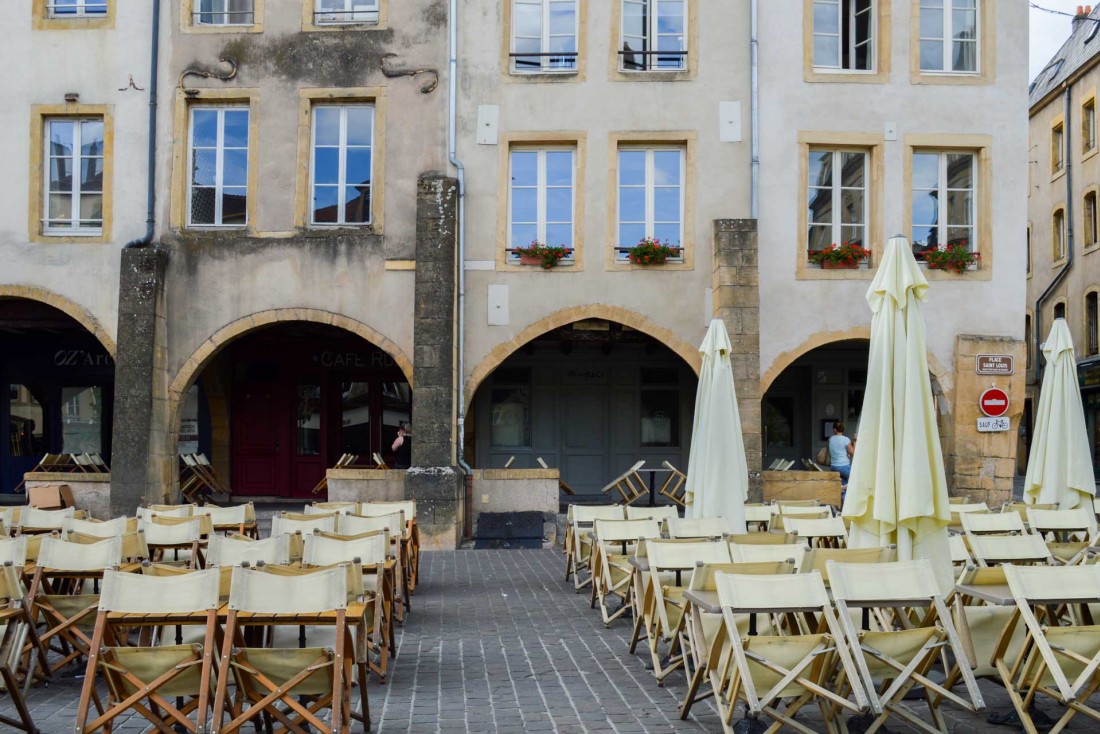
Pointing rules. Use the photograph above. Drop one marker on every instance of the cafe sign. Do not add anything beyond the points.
(994, 364)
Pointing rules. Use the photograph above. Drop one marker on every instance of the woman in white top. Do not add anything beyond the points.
(841, 450)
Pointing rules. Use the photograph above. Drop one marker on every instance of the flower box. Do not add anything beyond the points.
(530, 260)
(845, 256)
(543, 256)
(650, 251)
(827, 265)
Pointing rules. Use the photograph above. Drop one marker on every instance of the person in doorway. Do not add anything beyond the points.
(402, 447)
(841, 450)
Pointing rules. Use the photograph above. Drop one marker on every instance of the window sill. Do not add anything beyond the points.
(1089, 249)
(342, 229)
(1057, 174)
(86, 23)
(655, 75)
(815, 74)
(1058, 263)
(538, 77)
(959, 78)
(625, 266)
(1091, 153)
(198, 28)
(70, 238)
(514, 266)
(351, 25)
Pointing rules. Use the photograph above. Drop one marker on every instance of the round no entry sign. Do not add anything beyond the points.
(994, 402)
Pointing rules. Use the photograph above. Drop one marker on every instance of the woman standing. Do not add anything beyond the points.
(402, 447)
(841, 450)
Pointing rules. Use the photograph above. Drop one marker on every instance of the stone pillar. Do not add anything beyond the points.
(982, 466)
(736, 283)
(141, 466)
(433, 481)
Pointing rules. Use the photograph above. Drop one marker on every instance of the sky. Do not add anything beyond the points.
(1049, 31)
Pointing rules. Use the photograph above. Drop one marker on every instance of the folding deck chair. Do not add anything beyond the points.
(16, 633)
(144, 513)
(905, 630)
(299, 525)
(411, 537)
(674, 487)
(169, 685)
(758, 518)
(763, 538)
(992, 523)
(102, 528)
(1060, 657)
(563, 486)
(776, 675)
(1067, 532)
(771, 553)
(578, 544)
(379, 462)
(289, 686)
(781, 522)
(393, 524)
(709, 528)
(236, 519)
(817, 559)
(958, 509)
(176, 534)
(58, 598)
(327, 508)
(828, 532)
(614, 541)
(994, 550)
(659, 612)
(661, 512)
(630, 485)
(343, 461)
(33, 521)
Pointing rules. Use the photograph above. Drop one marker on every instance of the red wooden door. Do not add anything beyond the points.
(262, 439)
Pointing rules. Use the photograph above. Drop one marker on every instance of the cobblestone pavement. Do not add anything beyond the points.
(498, 642)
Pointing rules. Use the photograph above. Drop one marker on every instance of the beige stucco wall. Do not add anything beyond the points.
(45, 65)
(276, 268)
(671, 304)
(794, 313)
(1048, 192)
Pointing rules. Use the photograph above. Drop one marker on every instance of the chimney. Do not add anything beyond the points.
(1083, 12)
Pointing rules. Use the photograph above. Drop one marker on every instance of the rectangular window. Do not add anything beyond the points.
(1089, 213)
(659, 408)
(654, 35)
(949, 36)
(1088, 126)
(838, 202)
(224, 12)
(510, 409)
(945, 200)
(342, 164)
(542, 199)
(76, 8)
(218, 155)
(1057, 148)
(345, 11)
(81, 420)
(544, 36)
(73, 196)
(1092, 336)
(650, 197)
(1028, 245)
(844, 34)
(1058, 235)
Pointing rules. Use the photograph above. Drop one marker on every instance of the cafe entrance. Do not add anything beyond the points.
(58, 385)
(278, 407)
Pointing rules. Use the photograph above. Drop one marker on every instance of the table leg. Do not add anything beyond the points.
(652, 488)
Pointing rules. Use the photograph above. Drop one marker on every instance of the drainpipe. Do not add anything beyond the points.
(1061, 275)
(452, 154)
(151, 185)
(754, 65)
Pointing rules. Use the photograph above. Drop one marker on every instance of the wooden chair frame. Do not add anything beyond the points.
(630, 485)
(612, 574)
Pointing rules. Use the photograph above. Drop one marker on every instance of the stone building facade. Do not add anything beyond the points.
(321, 271)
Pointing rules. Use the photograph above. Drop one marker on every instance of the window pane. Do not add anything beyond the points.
(826, 51)
(931, 55)
(360, 125)
(632, 167)
(632, 205)
(91, 174)
(204, 167)
(958, 208)
(61, 174)
(852, 235)
(510, 423)
(964, 24)
(308, 441)
(821, 168)
(528, 19)
(670, 16)
(666, 205)
(563, 18)
(234, 205)
(236, 128)
(559, 168)
(931, 22)
(91, 210)
(60, 207)
(524, 234)
(926, 170)
(326, 165)
(91, 138)
(660, 417)
(821, 206)
(559, 205)
(634, 23)
(960, 236)
(852, 207)
(525, 205)
(357, 204)
(631, 234)
(965, 56)
(235, 168)
(827, 17)
(820, 237)
(358, 166)
(325, 208)
(61, 137)
(960, 171)
(925, 208)
(202, 205)
(204, 129)
(355, 418)
(559, 235)
(666, 165)
(326, 125)
(669, 233)
(854, 165)
(81, 420)
(525, 168)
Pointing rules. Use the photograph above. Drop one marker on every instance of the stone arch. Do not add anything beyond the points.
(76, 312)
(825, 338)
(688, 352)
(201, 357)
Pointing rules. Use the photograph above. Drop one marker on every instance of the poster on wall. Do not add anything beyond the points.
(189, 436)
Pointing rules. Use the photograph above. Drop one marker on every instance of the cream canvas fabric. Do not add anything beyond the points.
(1059, 468)
(718, 476)
(223, 551)
(137, 593)
(897, 492)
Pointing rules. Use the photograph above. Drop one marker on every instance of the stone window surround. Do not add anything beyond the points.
(43, 22)
(39, 115)
(1058, 259)
(188, 24)
(575, 75)
(1092, 290)
(307, 99)
(1087, 100)
(310, 6)
(691, 68)
(687, 139)
(1095, 191)
(982, 147)
(563, 139)
(869, 143)
(882, 45)
(987, 52)
(1057, 126)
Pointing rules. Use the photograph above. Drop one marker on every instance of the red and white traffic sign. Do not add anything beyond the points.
(994, 402)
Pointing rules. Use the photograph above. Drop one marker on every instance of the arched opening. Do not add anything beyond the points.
(278, 405)
(58, 381)
(818, 389)
(591, 398)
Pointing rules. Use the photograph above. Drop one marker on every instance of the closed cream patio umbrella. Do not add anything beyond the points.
(1059, 468)
(897, 491)
(717, 476)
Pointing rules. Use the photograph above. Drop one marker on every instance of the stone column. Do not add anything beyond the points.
(433, 481)
(141, 465)
(736, 284)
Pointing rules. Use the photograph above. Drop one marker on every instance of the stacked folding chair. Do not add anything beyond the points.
(710, 528)
(199, 482)
(343, 461)
(662, 512)
(578, 544)
(394, 525)
(410, 539)
(629, 485)
(234, 519)
(675, 487)
(614, 542)
(1067, 532)
(16, 633)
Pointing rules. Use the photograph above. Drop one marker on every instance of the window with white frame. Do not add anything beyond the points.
(544, 36)
(218, 155)
(541, 199)
(844, 34)
(654, 35)
(224, 12)
(74, 176)
(945, 200)
(949, 36)
(76, 8)
(1058, 235)
(838, 201)
(1088, 126)
(1089, 216)
(1057, 148)
(651, 197)
(345, 11)
(342, 165)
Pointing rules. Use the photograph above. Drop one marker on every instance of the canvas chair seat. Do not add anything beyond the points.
(222, 551)
(772, 553)
(661, 512)
(696, 528)
(615, 542)
(993, 550)
(1061, 525)
(818, 532)
(166, 684)
(289, 523)
(103, 528)
(283, 664)
(578, 546)
(758, 517)
(992, 523)
(33, 520)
